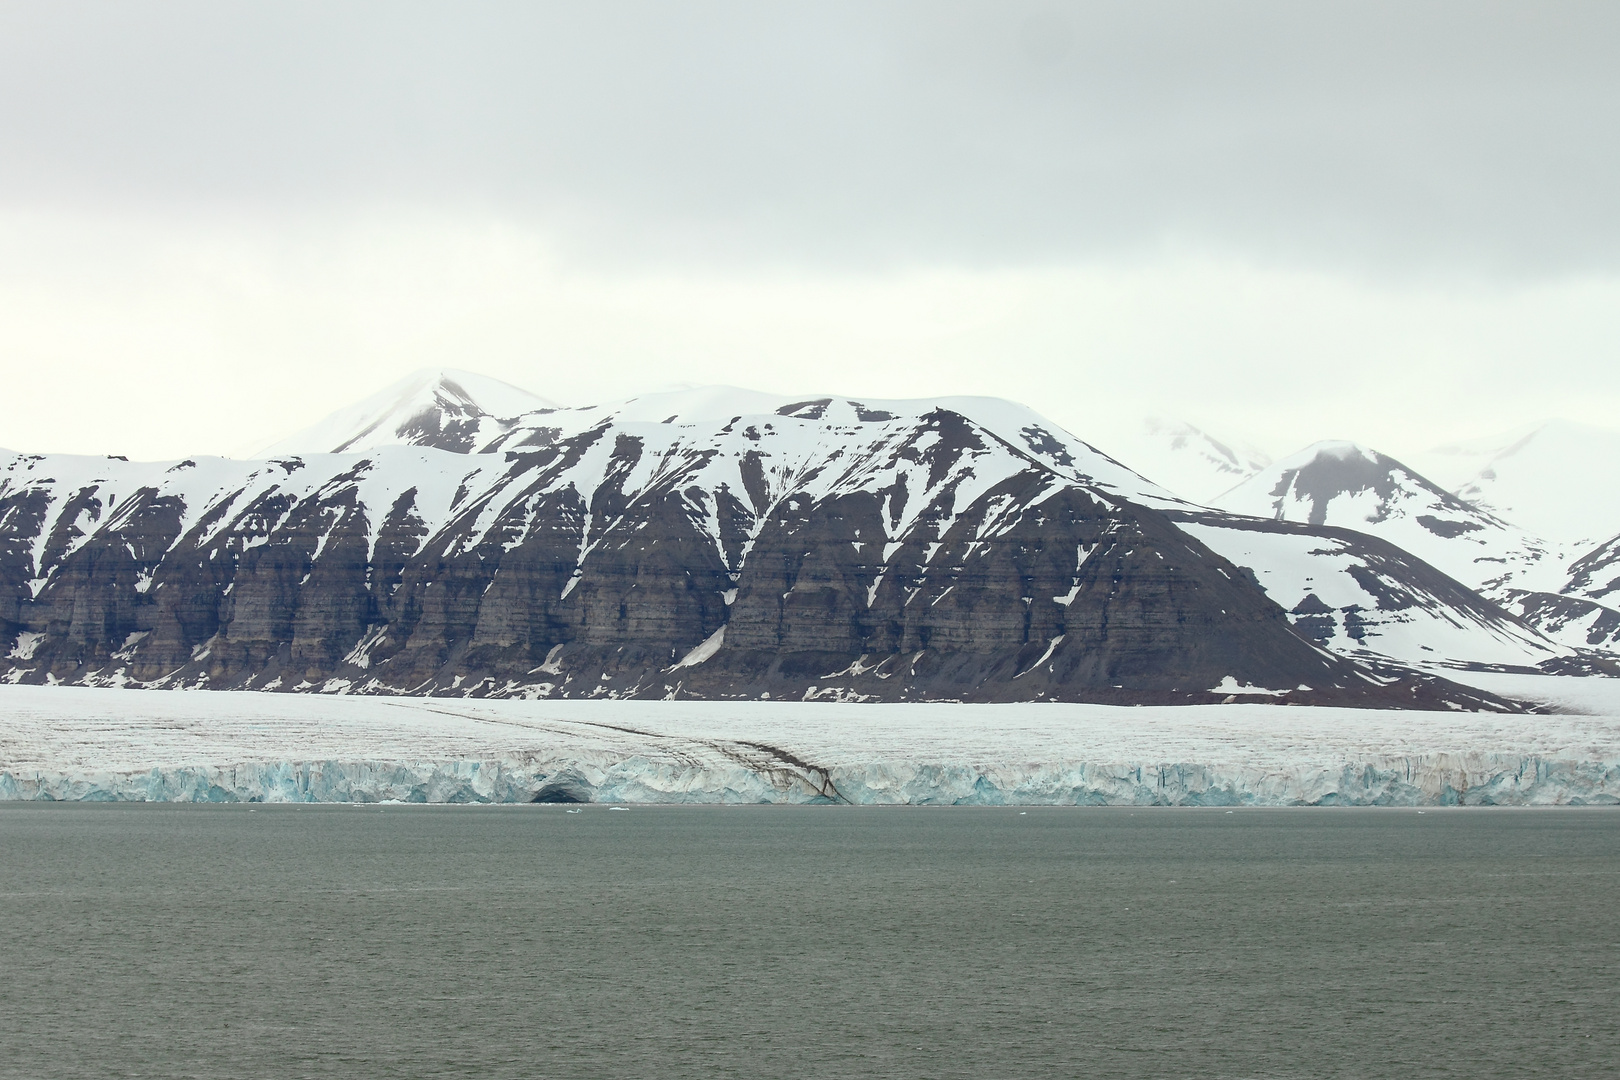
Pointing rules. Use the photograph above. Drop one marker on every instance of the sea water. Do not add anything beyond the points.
(829, 942)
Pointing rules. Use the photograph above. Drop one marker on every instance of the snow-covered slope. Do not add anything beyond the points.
(709, 542)
(79, 743)
(1340, 484)
(699, 543)
(1557, 478)
(1353, 487)
(799, 431)
(1584, 610)
(438, 407)
(1194, 464)
(1366, 598)
(1596, 574)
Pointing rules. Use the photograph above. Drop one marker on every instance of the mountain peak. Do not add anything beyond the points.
(1555, 477)
(1341, 450)
(1346, 485)
(1188, 460)
(1302, 486)
(443, 408)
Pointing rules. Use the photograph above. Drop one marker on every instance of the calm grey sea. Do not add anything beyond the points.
(824, 942)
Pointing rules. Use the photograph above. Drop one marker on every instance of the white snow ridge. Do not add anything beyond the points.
(440, 407)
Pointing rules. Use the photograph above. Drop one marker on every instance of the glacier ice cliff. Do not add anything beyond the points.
(1483, 779)
(76, 743)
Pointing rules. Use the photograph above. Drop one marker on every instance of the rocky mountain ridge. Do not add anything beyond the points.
(1557, 589)
(710, 543)
(1352, 486)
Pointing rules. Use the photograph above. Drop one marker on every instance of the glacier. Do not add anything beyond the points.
(93, 744)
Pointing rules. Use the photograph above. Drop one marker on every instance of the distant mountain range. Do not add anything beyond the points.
(1353, 487)
(1552, 479)
(1192, 463)
(1556, 478)
(455, 535)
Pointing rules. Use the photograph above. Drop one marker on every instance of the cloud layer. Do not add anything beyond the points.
(1386, 221)
(1453, 136)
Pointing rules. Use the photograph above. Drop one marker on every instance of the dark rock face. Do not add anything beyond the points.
(1071, 592)
(1346, 470)
(826, 550)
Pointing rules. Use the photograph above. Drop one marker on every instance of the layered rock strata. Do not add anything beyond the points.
(817, 549)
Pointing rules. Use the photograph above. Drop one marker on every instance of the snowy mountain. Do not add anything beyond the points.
(1558, 479)
(1585, 609)
(437, 407)
(1347, 486)
(1192, 463)
(706, 543)
(1596, 574)
(1352, 487)
(1367, 599)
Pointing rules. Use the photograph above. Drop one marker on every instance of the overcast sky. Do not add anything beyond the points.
(1283, 221)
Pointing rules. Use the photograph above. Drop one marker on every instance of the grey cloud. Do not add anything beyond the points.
(1443, 136)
